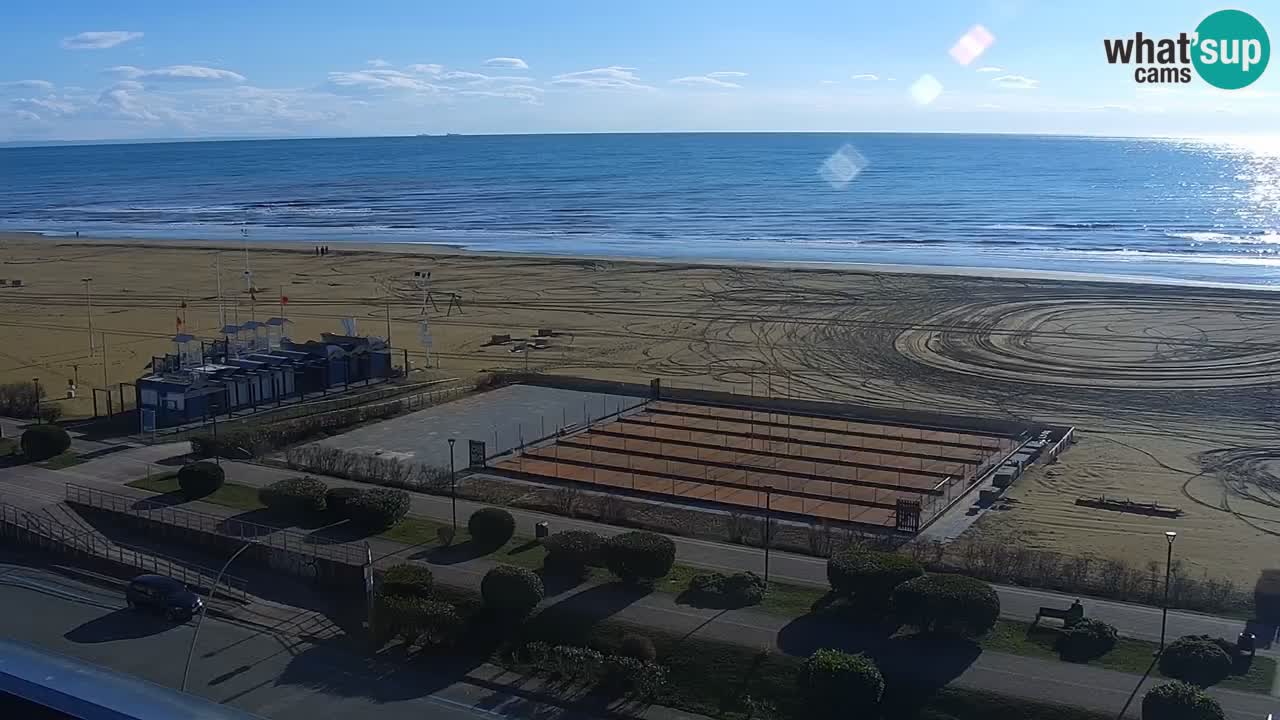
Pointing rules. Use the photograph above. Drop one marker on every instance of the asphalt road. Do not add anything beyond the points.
(273, 676)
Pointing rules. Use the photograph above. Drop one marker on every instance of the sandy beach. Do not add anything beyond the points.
(1172, 388)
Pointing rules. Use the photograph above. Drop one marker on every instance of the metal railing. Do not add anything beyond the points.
(265, 535)
(44, 532)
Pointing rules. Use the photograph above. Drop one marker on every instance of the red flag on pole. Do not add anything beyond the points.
(284, 299)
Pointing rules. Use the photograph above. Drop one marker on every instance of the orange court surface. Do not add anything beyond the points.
(820, 468)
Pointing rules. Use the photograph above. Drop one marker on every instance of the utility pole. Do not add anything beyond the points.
(222, 310)
(453, 485)
(406, 370)
(88, 302)
(105, 384)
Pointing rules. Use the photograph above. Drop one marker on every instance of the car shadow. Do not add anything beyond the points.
(123, 624)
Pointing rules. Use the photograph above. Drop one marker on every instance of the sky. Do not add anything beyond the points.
(134, 69)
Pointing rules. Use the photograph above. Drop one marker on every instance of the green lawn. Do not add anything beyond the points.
(58, 462)
(232, 495)
(1131, 656)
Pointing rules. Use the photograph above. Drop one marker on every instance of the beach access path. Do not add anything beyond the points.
(1047, 680)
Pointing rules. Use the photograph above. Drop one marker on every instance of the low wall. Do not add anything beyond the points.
(915, 418)
(321, 570)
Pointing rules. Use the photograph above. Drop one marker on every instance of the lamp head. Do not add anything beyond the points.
(1170, 535)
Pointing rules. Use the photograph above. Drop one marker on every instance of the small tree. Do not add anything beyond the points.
(1087, 639)
(200, 478)
(639, 647)
(1266, 597)
(511, 591)
(738, 590)
(407, 579)
(417, 620)
(378, 508)
(572, 552)
(870, 575)
(491, 527)
(1179, 701)
(638, 557)
(41, 442)
(1196, 659)
(946, 603)
(295, 496)
(841, 685)
(336, 500)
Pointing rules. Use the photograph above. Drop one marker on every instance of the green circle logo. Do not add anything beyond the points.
(1232, 49)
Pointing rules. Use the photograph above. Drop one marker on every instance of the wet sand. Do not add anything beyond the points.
(1172, 387)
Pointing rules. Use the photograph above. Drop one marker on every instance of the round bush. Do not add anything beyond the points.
(1087, 639)
(947, 604)
(572, 551)
(377, 508)
(200, 478)
(406, 579)
(295, 496)
(841, 685)
(41, 442)
(639, 647)
(417, 620)
(1196, 659)
(511, 591)
(727, 591)
(639, 557)
(491, 527)
(336, 500)
(1179, 701)
(870, 575)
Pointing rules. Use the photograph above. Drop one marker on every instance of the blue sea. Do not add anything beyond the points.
(1168, 209)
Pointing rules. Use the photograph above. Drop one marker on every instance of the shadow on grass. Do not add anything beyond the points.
(123, 624)
(168, 499)
(236, 524)
(343, 531)
(556, 582)
(916, 667)
(453, 554)
(836, 626)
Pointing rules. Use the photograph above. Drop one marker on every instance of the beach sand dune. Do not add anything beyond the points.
(1172, 387)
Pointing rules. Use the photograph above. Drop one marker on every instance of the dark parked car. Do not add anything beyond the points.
(165, 595)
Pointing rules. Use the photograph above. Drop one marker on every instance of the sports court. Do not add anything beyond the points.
(805, 465)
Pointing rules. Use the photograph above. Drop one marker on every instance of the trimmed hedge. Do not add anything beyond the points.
(295, 496)
(200, 478)
(1179, 701)
(870, 575)
(491, 527)
(1197, 659)
(639, 647)
(948, 604)
(1087, 639)
(841, 685)
(377, 508)
(1266, 597)
(639, 557)
(727, 591)
(407, 579)
(572, 552)
(642, 679)
(511, 591)
(336, 500)
(41, 442)
(417, 620)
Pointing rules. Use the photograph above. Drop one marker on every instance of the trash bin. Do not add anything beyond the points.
(1246, 643)
(541, 530)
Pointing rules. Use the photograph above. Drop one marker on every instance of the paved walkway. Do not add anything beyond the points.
(1026, 677)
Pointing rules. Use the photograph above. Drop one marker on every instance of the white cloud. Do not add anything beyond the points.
(177, 73)
(507, 63)
(378, 63)
(614, 77)
(461, 75)
(45, 106)
(865, 76)
(704, 81)
(990, 106)
(380, 80)
(990, 69)
(828, 82)
(38, 85)
(1016, 82)
(27, 115)
(721, 74)
(125, 101)
(100, 40)
(426, 69)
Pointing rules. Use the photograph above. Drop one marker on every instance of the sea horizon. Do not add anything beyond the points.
(1173, 208)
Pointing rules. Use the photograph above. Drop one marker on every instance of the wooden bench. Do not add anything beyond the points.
(1069, 615)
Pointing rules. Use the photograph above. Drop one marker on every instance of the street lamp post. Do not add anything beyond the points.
(1168, 564)
(453, 486)
(36, 380)
(88, 303)
(204, 610)
(768, 520)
